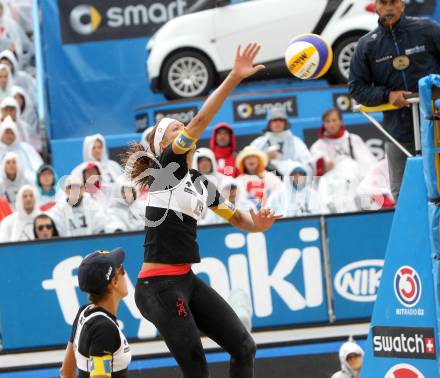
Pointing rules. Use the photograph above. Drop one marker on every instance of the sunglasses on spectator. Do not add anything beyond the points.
(41, 227)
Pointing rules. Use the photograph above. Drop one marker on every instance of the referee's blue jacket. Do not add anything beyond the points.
(373, 75)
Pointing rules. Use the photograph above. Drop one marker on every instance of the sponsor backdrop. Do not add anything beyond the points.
(356, 275)
(404, 342)
(403, 338)
(282, 270)
(94, 56)
(84, 21)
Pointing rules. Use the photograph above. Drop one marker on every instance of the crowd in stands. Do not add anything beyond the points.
(337, 174)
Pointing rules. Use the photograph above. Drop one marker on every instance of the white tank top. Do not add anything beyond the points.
(183, 198)
(121, 358)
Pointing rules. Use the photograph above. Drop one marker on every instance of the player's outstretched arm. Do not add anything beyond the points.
(243, 68)
(254, 221)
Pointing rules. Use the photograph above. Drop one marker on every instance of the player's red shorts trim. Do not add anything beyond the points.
(175, 270)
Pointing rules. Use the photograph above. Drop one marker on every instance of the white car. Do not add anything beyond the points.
(189, 54)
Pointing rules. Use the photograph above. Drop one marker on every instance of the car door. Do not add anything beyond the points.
(272, 23)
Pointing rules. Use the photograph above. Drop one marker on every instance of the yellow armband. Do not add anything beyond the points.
(225, 210)
(101, 366)
(184, 142)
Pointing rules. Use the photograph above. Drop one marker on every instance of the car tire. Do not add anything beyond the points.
(343, 51)
(187, 74)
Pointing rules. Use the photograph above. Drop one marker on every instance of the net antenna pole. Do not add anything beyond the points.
(416, 124)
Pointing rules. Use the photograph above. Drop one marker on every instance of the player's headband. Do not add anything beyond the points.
(160, 132)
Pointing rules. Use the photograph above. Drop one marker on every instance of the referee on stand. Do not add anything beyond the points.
(386, 67)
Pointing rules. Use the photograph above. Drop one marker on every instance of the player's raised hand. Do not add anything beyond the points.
(244, 61)
(263, 219)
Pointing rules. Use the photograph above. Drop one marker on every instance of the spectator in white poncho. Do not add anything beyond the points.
(9, 29)
(95, 151)
(254, 182)
(374, 191)
(13, 37)
(21, 11)
(279, 143)
(6, 81)
(10, 142)
(299, 197)
(336, 144)
(90, 173)
(75, 213)
(19, 226)
(20, 78)
(204, 161)
(229, 190)
(28, 112)
(337, 188)
(127, 211)
(31, 135)
(351, 358)
(12, 177)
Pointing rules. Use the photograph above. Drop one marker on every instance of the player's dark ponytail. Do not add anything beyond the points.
(138, 159)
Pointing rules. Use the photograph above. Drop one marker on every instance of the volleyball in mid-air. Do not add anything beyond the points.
(308, 56)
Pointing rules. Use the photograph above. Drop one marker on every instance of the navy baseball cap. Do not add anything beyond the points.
(98, 268)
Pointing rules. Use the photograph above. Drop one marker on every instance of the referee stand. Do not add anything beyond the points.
(403, 339)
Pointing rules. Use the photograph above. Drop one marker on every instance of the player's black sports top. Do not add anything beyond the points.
(178, 197)
(99, 345)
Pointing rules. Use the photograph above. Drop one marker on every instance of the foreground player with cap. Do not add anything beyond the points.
(167, 292)
(97, 347)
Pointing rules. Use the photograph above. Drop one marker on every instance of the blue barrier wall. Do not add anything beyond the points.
(282, 270)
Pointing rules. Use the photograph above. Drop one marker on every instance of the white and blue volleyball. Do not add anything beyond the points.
(308, 56)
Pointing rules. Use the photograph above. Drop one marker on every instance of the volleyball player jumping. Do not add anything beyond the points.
(167, 292)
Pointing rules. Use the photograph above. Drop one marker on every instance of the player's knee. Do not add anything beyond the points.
(247, 350)
(201, 371)
(195, 366)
